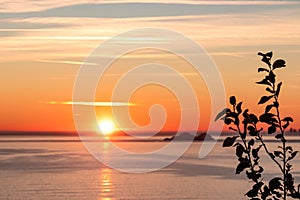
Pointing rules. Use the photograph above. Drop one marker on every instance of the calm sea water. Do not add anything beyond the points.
(50, 168)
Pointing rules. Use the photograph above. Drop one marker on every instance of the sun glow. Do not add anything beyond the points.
(107, 126)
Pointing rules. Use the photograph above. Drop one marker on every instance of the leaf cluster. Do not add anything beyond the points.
(249, 141)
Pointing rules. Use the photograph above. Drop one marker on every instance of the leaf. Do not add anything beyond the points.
(251, 142)
(267, 118)
(232, 100)
(289, 148)
(264, 99)
(239, 108)
(266, 57)
(264, 82)
(275, 183)
(272, 129)
(269, 54)
(279, 64)
(223, 112)
(278, 89)
(271, 77)
(251, 193)
(254, 191)
(241, 167)
(263, 69)
(295, 195)
(239, 150)
(288, 119)
(252, 131)
(229, 141)
(228, 121)
(268, 108)
(253, 118)
(279, 136)
(265, 193)
(278, 153)
(255, 151)
(286, 125)
(293, 155)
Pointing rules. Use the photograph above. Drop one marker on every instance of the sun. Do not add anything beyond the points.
(106, 126)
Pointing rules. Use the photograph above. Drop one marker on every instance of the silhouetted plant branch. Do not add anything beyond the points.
(246, 126)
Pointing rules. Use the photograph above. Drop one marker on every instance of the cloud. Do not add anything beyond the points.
(67, 62)
(137, 10)
(11, 28)
(101, 103)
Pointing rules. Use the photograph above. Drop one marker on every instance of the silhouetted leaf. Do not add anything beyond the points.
(269, 54)
(254, 191)
(239, 150)
(295, 195)
(289, 148)
(266, 57)
(229, 141)
(267, 118)
(268, 108)
(271, 77)
(279, 136)
(275, 183)
(263, 69)
(232, 100)
(272, 129)
(266, 192)
(223, 112)
(278, 89)
(264, 82)
(278, 153)
(252, 131)
(264, 99)
(289, 180)
(228, 121)
(251, 193)
(241, 167)
(239, 107)
(253, 118)
(286, 125)
(293, 155)
(279, 63)
(288, 119)
(255, 151)
(237, 121)
(251, 142)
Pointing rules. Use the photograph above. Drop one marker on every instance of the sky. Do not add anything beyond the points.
(44, 43)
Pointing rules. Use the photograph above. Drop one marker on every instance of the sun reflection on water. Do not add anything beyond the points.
(106, 184)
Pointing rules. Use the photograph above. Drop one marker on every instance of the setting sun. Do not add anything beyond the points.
(106, 126)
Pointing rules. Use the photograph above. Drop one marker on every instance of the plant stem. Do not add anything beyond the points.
(247, 149)
(266, 149)
(283, 140)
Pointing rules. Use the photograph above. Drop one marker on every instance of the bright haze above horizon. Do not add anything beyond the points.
(43, 45)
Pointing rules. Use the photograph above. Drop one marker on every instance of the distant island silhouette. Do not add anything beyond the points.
(188, 137)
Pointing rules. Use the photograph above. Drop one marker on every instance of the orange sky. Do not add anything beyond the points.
(42, 49)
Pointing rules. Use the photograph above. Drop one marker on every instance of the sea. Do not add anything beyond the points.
(62, 168)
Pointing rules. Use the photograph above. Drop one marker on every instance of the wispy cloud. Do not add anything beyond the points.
(67, 62)
(33, 5)
(101, 103)
(138, 10)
